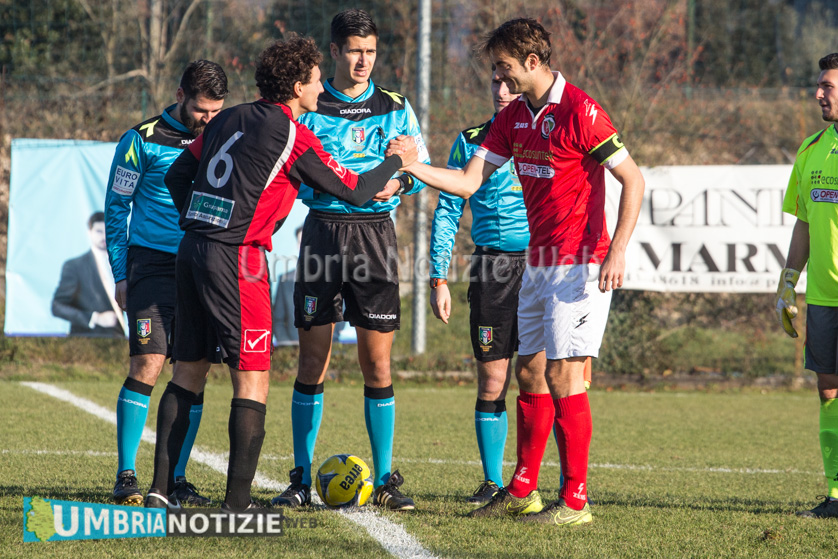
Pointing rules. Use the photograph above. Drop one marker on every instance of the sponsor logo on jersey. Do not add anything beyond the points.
(484, 334)
(522, 125)
(355, 111)
(256, 341)
(374, 316)
(310, 306)
(214, 210)
(358, 135)
(824, 195)
(125, 181)
(144, 327)
(548, 125)
(536, 154)
(817, 178)
(537, 171)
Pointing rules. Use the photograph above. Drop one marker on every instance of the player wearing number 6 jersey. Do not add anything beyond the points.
(561, 142)
(234, 187)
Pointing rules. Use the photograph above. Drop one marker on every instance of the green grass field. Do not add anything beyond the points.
(673, 474)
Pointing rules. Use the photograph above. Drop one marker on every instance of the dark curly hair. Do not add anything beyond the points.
(283, 64)
(519, 38)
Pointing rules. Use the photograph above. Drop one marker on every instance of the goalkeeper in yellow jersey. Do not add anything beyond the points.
(812, 197)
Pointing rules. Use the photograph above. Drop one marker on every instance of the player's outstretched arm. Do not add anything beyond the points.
(462, 183)
(316, 168)
(613, 268)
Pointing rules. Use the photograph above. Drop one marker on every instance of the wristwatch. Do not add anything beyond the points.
(436, 282)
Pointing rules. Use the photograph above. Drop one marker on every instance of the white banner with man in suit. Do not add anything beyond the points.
(701, 229)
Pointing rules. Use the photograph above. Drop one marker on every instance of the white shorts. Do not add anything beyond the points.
(561, 311)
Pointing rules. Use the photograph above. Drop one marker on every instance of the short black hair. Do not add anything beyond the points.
(520, 38)
(95, 218)
(829, 62)
(203, 77)
(352, 23)
(283, 64)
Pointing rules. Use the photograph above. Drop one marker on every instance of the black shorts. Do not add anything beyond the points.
(351, 259)
(493, 302)
(151, 300)
(224, 304)
(821, 353)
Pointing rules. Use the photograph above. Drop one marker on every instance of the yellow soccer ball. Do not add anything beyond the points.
(344, 480)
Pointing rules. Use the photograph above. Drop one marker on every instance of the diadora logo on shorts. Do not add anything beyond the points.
(144, 329)
(256, 341)
(310, 306)
(355, 111)
(374, 316)
(824, 195)
(537, 171)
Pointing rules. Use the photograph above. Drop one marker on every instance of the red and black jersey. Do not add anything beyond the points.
(560, 153)
(247, 167)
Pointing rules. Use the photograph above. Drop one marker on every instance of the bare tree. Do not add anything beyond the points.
(162, 27)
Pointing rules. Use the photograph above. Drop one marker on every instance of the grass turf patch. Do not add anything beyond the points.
(672, 474)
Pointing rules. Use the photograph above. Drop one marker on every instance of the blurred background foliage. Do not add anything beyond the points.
(687, 82)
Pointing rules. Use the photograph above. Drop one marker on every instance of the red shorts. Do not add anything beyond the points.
(223, 304)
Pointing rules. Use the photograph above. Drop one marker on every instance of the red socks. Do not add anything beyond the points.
(535, 421)
(573, 430)
(572, 416)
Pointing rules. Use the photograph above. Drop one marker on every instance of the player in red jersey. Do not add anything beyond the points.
(234, 186)
(562, 142)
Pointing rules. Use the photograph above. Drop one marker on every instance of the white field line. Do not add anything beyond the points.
(31, 452)
(390, 535)
(631, 467)
(281, 486)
